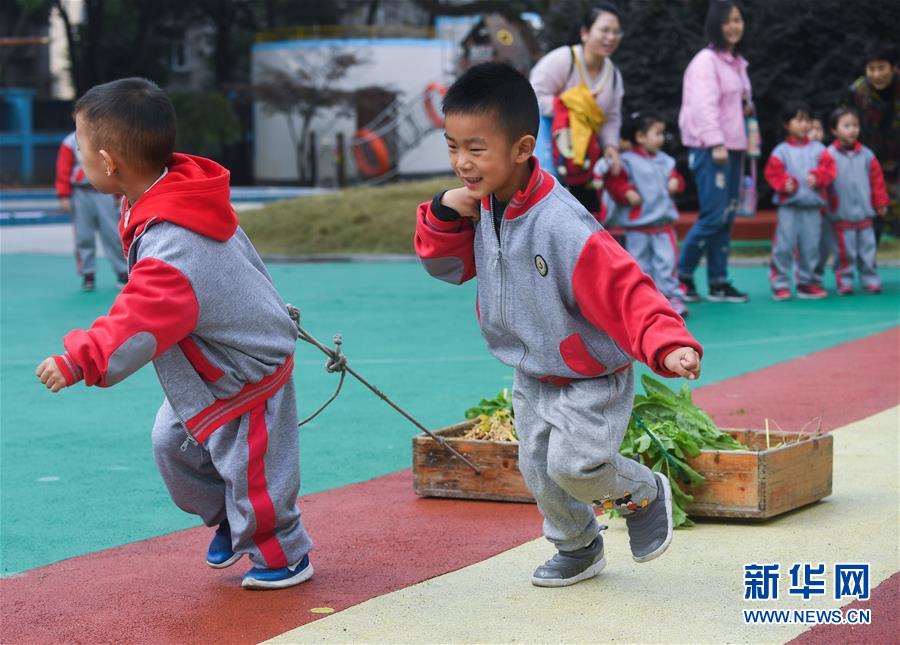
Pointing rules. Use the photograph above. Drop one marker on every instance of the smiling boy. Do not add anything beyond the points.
(564, 305)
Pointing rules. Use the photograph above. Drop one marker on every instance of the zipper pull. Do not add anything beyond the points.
(187, 441)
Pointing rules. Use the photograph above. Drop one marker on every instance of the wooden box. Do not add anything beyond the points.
(758, 483)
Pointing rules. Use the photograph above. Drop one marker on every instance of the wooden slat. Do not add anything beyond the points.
(796, 474)
(731, 488)
(438, 473)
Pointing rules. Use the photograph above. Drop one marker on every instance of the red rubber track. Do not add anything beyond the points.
(884, 603)
(377, 537)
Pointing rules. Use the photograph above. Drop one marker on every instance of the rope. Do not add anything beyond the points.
(337, 362)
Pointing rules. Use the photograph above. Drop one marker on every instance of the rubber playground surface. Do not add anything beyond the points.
(92, 550)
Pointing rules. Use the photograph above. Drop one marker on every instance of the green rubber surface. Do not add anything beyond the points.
(76, 469)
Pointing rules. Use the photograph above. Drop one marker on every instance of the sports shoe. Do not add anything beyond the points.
(258, 578)
(688, 290)
(845, 291)
(88, 283)
(220, 554)
(568, 567)
(873, 289)
(121, 280)
(811, 292)
(726, 293)
(650, 528)
(781, 294)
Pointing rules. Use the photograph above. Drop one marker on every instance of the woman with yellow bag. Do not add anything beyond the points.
(581, 90)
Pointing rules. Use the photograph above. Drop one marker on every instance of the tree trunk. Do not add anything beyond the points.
(93, 28)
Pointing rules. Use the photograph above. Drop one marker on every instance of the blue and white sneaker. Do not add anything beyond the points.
(279, 578)
(220, 554)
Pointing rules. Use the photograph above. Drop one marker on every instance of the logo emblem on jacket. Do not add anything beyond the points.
(541, 265)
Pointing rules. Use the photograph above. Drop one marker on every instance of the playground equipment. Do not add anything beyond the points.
(377, 147)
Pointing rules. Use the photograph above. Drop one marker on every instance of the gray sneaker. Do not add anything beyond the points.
(650, 528)
(568, 567)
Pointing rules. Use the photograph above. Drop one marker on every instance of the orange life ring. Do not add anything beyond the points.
(371, 153)
(430, 110)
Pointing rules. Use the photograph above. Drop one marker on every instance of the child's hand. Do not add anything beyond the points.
(881, 210)
(811, 180)
(65, 204)
(50, 374)
(613, 159)
(720, 155)
(790, 185)
(563, 140)
(673, 185)
(458, 199)
(633, 197)
(685, 362)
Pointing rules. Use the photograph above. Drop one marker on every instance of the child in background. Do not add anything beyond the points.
(816, 130)
(826, 240)
(92, 213)
(643, 193)
(564, 305)
(857, 195)
(799, 173)
(201, 306)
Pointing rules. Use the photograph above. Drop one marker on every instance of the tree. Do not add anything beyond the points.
(18, 19)
(206, 123)
(509, 8)
(300, 91)
(119, 39)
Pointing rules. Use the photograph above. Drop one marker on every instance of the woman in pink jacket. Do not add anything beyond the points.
(715, 101)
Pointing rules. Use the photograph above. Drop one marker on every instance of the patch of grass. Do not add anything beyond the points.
(354, 220)
(381, 220)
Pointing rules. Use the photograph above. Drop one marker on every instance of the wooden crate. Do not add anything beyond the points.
(758, 483)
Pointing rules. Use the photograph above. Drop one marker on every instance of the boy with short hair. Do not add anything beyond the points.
(643, 190)
(201, 306)
(561, 302)
(92, 213)
(799, 173)
(856, 196)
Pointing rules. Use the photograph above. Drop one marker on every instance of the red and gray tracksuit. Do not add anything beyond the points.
(856, 192)
(92, 211)
(201, 306)
(799, 210)
(561, 302)
(649, 231)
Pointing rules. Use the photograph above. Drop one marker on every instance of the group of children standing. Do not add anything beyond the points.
(827, 200)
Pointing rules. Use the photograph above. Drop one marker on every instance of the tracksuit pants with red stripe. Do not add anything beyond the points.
(247, 471)
(797, 235)
(656, 252)
(855, 249)
(96, 213)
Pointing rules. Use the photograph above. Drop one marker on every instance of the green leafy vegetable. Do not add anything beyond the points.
(487, 407)
(665, 429)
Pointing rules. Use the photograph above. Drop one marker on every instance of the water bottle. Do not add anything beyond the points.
(747, 207)
(754, 141)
